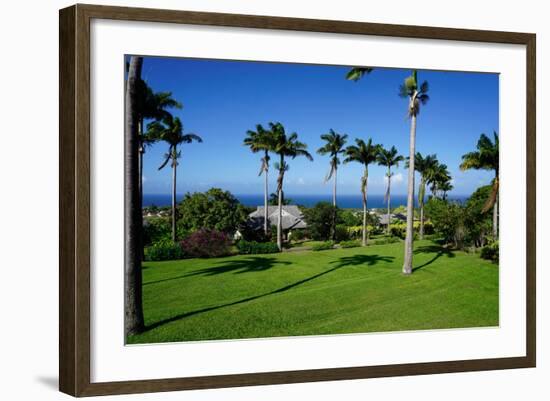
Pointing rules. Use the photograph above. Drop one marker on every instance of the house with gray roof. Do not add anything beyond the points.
(292, 217)
(393, 217)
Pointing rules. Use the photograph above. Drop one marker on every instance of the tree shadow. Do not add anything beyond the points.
(342, 262)
(358, 260)
(248, 265)
(437, 249)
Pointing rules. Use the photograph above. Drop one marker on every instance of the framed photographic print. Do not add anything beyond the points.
(250, 200)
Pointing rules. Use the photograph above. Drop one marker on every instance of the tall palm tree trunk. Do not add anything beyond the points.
(140, 169)
(422, 220)
(389, 201)
(174, 167)
(421, 204)
(495, 218)
(266, 214)
(365, 209)
(334, 211)
(140, 158)
(408, 259)
(133, 307)
(280, 201)
(334, 187)
(280, 221)
(364, 240)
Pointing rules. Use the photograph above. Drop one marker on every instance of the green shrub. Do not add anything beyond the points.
(156, 229)
(428, 228)
(323, 246)
(398, 230)
(321, 219)
(253, 247)
(355, 231)
(350, 244)
(297, 235)
(490, 251)
(386, 240)
(163, 249)
(342, 233)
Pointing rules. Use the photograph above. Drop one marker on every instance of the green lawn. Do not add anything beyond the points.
(328, 292)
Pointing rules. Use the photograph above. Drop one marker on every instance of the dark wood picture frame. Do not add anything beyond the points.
(74, 199)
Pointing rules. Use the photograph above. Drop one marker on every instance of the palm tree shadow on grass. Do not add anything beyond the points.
(248, 265)
(238, 266)
(358, 260)
(355, 260)
(437, 249)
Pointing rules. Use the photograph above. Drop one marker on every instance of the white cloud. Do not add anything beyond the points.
(301, 181)
(395, 179)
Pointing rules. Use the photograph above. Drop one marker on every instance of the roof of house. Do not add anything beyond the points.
(292, 217)
(398, 216)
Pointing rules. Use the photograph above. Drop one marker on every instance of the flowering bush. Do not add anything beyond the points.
(206, 243)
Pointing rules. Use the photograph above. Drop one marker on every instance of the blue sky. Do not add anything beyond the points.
(223, 99)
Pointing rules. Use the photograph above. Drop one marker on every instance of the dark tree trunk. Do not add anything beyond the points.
(133, 309)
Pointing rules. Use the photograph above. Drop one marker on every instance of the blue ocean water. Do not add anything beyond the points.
(344, 201)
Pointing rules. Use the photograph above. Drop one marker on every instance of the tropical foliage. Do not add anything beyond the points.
(416, 94)
(486, 157)
(262, 140)
(206, 243)
(320, 220)
(214, 209)
(388, 158)
(333, 147)
(285, 146)
(364, 153)
(170, 130)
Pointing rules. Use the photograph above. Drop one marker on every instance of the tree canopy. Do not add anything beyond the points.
(214, 209)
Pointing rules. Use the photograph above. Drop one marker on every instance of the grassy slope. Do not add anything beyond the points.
(328, 292)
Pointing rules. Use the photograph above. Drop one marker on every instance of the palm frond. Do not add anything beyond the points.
(356, 73)
(424, 87)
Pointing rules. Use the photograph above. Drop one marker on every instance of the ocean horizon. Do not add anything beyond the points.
(345, 201)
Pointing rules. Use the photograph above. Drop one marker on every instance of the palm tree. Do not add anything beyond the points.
(445, 187)
(417, 95)
(486, 158)
(171, 131)
(274, 199)
(438, 176)
(151, 106)
(426, 168)
(356, 73)
(334, 146)
(257, 141)
(133, 307)
(388, 158)
(364, 153)
(285, 146)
